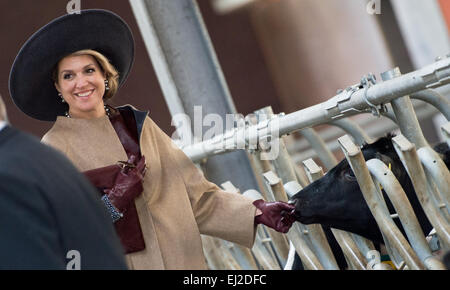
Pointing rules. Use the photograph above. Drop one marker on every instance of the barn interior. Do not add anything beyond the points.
(323, 76)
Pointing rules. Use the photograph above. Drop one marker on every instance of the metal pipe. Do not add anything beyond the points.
(342, 105)
(282, 162)
(350, 249)
(297, 233)
(283, 159)
(285, 169)
(265, 166)
(278, 241)
(318, 237)
(301, 175)
(381, 214)
(158, 59)
(390, 114)
(351, 244)
(327, 157)
(404, 112)
(300, 150)
(309, 259)
(359, 135)
(372, 125)
(275, 239)
(186, 62)
(409, 157)
(217, 256)
(436, 168)
(410, 128)
(242, 255)
(263, 238)
(264, 255)
(317, 143)
(436, 99)
(397, 195)
(446, 132)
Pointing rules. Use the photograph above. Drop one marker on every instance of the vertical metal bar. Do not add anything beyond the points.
(217, 257)
(279, 194)
(348, 246)
(298, 232)
(400, 201)
(408, 155)
(301, 176)
(390, 115)
(242, 255)
(344, 239)
(327, 157)
(381, 214)
(285, 169)
(404, 112)
(446, 132)
(265, 166)
(313, 234)
(410, 128)
(355, 259)
(192, 66)
(436, 168)
(158, 58)
(307, 256)
(275, 243)
(283, 164)
(265, 256)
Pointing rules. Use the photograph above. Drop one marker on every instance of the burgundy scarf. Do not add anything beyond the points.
(128, 228)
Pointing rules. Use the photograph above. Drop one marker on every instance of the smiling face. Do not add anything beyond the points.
(81, 82)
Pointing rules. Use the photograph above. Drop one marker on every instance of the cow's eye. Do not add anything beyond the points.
(349, 175)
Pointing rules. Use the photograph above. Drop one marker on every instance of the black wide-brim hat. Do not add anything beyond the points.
(30, 82)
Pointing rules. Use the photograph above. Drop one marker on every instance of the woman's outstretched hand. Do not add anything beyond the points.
(277, 215)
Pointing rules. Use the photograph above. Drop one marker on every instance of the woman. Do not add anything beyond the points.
(159, 212)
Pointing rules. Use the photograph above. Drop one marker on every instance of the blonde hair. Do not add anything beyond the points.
(107, 68)
(3, 116)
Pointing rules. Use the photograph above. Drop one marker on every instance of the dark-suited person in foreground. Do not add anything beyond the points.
(50, 215)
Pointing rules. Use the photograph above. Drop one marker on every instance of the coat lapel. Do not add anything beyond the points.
(139, 116)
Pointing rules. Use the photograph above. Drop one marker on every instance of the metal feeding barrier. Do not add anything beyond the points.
(361, 98)
(179, 46)
(429, 174)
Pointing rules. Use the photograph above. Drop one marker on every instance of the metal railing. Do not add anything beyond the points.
(427, 171)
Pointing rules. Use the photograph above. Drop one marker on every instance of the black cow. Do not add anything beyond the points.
(336, 200)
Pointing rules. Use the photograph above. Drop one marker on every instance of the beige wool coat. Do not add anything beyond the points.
(178, 203)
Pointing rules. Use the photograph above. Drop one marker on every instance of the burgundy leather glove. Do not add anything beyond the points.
(128, 184)
(276, 215)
